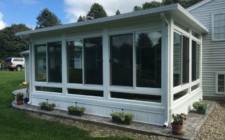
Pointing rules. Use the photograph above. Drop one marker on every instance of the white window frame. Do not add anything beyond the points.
(216, 85)
(212, 23)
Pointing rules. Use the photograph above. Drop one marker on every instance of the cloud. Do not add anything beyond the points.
(75, 8)
(2, 23)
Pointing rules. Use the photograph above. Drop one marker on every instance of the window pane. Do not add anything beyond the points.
(137, 97)
(177, 59)
(194, 87)
(49, 89)
(179, 94)
(219, 26)
(93, 60)
(40, 62)
(221, 83)
(121, 59)
(85, 92)
(54, 62)
(195, 60)
(74, 61)
(148, 59)
(185, 59)
(220, 77)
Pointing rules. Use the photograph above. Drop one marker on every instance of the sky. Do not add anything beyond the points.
(68, 11)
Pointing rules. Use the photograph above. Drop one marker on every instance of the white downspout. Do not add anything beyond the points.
(30, 55)
(167, 88)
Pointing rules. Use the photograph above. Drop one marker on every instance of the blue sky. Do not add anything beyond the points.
(26, 11)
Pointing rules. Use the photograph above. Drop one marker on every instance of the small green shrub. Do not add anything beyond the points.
(76, 108)
(199, 105)
(122, 115)
(50, 106)
(178, 119)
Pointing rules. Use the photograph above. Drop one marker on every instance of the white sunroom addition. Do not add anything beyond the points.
(147, 63)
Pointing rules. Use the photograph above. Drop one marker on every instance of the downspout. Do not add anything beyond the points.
(167, 91)
(30, 73)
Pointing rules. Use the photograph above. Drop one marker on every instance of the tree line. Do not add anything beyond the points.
(11, 45)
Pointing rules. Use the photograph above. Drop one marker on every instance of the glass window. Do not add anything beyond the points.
(135, 96)
(181, 59)
(40, 62)
(86, 92)
(93, 60)
(148, 59)
(177, 59)
(195, 60)
(220, 83)
(185, 59)
(54, 62)
(49, 89)
(178, 95)
(219, 26)
(121, 58)
(194, 87)
(74, 61)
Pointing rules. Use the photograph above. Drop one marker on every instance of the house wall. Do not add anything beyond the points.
(213, 51)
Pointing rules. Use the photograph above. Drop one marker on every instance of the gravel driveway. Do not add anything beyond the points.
(213, 129)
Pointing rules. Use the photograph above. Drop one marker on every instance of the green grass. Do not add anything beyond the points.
(15, 124)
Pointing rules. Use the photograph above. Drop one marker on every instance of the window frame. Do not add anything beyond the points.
(216, 83)
(182, 55)
(83, 59)
(45, 43)
(187, 86)
(135, 89)
(135, 57)
(199, 69)
(212, 26)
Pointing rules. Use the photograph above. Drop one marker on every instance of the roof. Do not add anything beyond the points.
(198, 5)
(175, 9)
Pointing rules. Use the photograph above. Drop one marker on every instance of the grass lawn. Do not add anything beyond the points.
(18, 125)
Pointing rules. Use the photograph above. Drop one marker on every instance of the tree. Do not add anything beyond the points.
(11, 45)
(152, 4)
(81, 18)
(118, 12)
(46, 19)
(137, 8)
(184, 3)
(96, 11)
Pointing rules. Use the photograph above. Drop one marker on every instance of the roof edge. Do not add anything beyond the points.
(118, 17)
(193, 7)
(102, 20)
(192, 18)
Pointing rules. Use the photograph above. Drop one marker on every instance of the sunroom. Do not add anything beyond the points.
(147, 63)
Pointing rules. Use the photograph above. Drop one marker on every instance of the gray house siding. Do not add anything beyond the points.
(213, 56)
